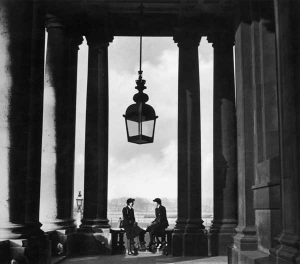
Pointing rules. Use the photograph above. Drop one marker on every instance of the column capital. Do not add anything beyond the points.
(99, 40)
(75, 40)
(221, 39)
(53, 21)
(185, 37)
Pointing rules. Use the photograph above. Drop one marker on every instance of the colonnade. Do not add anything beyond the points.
(38, 117)
(38, 131)
(256, 127)
(255, 131)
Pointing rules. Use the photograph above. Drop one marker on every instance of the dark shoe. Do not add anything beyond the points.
(142, 246)
(150, 247)
(133, 253)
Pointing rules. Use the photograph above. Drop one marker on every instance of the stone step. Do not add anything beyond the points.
(57, 259)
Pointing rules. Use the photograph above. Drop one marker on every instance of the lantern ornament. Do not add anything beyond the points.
(140, 118)
(79, 202)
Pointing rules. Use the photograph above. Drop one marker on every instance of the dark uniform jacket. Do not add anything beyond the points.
(131, 228)
(128, 216)
(160, 223)
(161, 216)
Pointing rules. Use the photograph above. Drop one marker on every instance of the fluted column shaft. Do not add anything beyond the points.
(15, 102)
(189, 225)
(57, 184)
(96, 144)
(224, 145)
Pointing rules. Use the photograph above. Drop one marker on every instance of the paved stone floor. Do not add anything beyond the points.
(144, 258)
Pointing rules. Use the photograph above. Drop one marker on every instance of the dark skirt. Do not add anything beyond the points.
(133, 231)
(156, 228)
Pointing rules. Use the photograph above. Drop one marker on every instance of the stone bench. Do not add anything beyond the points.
(118, 244)
(117, 241)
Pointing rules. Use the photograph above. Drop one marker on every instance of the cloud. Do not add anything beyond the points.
(146, 170)
(143, 176)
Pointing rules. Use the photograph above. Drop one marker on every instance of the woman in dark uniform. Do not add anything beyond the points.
(131, 228)
(159, 224)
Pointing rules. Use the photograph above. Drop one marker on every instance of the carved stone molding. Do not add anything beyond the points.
(53, 21)
(185, 37)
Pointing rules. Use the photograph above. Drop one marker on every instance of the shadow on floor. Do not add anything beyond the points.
(144, 258)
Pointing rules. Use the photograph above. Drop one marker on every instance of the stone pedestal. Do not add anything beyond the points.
(188, 237)
(35, 250)
(97, 241)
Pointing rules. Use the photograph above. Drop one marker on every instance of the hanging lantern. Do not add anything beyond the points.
(140, 118)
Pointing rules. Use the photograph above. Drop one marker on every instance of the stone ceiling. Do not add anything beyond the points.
(159, 18)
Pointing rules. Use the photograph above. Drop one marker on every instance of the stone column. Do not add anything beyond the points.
(35, 119)
(73, 42)
(96, 144)
(288, 62)
(245, 239)
(189, 238)
(224, 146)
(266, 190)
(56, 208)
(15, 94)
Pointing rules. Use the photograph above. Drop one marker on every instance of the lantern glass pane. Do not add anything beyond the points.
(133, 128)
(148, 128)
(79, 202)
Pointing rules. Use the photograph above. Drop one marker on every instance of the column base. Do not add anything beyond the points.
(190, 243)
(33, 230)
(67, 224)
(220, 242)
(287, 251)
(4, 251)
(61, 242)
(221, 236)
(11, 231)
(88, 242)
(35, 250)
(245, 239)
(236, 256)
(93, 225)
(245, 248)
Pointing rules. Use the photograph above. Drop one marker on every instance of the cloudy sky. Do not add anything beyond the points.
(148, 170)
